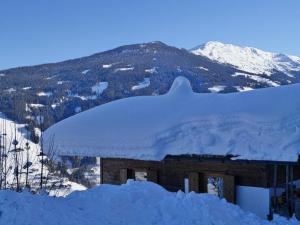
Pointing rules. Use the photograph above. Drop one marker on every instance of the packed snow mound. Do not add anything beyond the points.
(258, 125)
(248, 59)
(134, 203)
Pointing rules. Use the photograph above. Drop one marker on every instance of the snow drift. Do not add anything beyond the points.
(258, 125)
(134, 203)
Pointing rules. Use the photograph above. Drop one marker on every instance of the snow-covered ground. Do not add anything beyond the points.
(243, 88)
(21, 137)
(10, 90)
(36, 105)
(256, 78)
(99, 87)
(249, 59)
(42, 94)
(85, 71)
(141, 85)
(202, 68)
(50, 78)
(86, 97)
(106, 66)
(35, 167)
(134, 203)
(151, 70)
(77, 109)
(216, 88)
(124, 69)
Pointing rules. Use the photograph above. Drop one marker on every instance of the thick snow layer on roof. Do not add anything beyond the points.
(258, 125)
(134, 203)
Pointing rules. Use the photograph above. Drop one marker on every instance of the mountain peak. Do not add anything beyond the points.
(248, 59)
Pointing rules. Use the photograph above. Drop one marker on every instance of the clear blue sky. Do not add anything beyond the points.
(40, 31)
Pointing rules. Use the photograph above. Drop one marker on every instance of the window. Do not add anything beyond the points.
(140, 175)
(215, 186)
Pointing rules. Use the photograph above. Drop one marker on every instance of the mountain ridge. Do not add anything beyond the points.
(56, 91)
(249, 59)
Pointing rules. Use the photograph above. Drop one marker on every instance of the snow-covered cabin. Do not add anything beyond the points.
(243, 147)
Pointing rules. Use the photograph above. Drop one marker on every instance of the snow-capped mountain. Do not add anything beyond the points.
(249, 59)
(49, 93)
(55, 91)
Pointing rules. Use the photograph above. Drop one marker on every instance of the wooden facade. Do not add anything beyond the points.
(172, 172)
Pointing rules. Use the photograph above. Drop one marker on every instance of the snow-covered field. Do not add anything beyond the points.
(124, 69)
(257, 78)
(42, 94)
(141, 85)
(216, 88)
(135, 203)
(85, 71)
(99, 87)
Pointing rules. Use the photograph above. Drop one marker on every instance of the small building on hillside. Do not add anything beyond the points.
(243, 147)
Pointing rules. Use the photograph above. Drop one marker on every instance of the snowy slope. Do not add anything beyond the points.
(35, 169)
(258, 125)
(99, 87)
(21, 137)
(141, 85)
(248, 59)
(134, 203)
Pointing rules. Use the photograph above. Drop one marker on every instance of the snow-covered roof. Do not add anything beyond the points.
(262, 124)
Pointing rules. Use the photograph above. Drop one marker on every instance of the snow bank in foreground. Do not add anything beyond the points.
(134, 203)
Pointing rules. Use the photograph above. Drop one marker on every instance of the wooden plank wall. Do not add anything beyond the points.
(170, 173)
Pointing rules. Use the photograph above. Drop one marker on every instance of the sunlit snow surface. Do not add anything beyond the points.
(21, 136)
(99, 87)
(85, 71)
(216, 88)
(261, 124)
(134, 203)
(33, 152)
(141, 85)
(249, 59)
